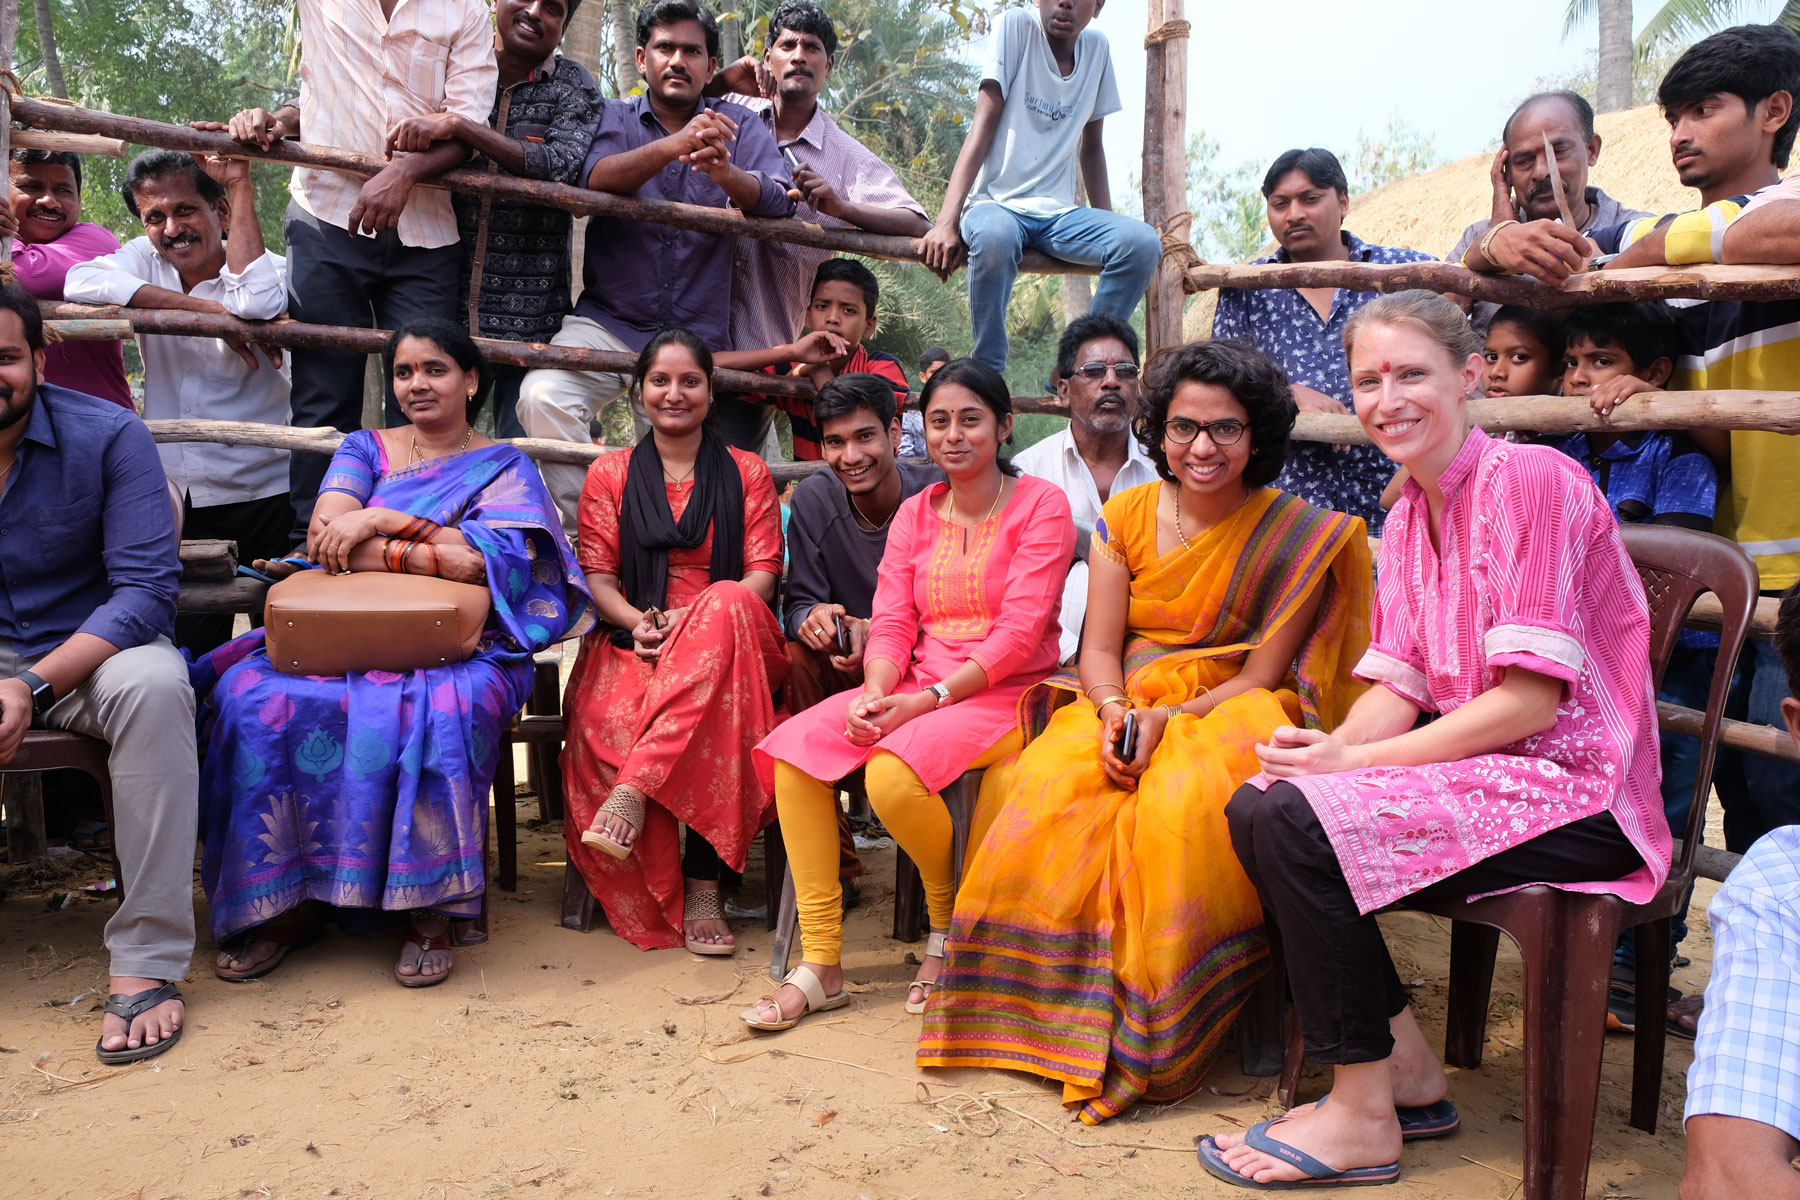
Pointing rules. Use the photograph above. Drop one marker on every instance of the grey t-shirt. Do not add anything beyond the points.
(831, 558)
(1031, 167)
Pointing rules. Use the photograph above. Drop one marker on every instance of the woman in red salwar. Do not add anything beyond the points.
(680, 539)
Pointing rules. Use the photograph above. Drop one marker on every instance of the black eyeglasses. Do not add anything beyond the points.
(1098, 370)
(1182, 431)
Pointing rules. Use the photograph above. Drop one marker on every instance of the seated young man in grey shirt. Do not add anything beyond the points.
(837, 530)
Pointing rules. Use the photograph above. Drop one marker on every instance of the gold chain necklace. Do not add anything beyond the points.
(670, 475)
(992, 508)
(862, 516)
(1185, 544)
(419, 457)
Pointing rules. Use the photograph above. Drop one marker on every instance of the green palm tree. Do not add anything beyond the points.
(1678, 22)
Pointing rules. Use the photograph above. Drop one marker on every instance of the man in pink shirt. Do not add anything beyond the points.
(49, 237)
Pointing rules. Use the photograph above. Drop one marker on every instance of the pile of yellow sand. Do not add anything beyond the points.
(1429, 212)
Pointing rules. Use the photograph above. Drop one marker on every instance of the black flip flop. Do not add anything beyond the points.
(128, 1009)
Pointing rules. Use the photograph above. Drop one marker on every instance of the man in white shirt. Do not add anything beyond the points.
(1097, 455)
(237, 493)
(380, 252)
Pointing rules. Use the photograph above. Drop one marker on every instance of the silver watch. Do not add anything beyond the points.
(942, 693)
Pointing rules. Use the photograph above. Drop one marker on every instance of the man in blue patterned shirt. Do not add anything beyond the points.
(1302, 329)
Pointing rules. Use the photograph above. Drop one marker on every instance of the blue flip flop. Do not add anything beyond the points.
(1318, 1174)
(1417, 1124)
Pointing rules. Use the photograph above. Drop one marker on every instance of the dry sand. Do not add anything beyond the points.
(560, 1063)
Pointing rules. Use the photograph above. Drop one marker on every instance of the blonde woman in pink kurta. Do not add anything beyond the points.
(1508, 606)
(965, 619)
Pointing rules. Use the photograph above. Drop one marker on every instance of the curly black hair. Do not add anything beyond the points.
(1253, 380)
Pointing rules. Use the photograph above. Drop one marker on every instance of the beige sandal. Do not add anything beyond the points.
(807, 981)
(934, 948)
(623, 802)
(704, 906)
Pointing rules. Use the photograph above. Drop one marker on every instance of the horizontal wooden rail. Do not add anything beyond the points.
(1709, 281)
(1739, 735)
(578, 200)
(1707, 614)
(97, 322)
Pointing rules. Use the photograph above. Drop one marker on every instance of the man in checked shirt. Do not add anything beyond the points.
(1743, 1102)
(373, 253)
(515, 273)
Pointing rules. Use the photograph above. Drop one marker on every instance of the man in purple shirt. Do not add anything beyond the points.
(49, 236)
(670, 143)
(87, 597)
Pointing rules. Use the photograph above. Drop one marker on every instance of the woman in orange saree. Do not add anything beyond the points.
(1104, 933)
(681, 544)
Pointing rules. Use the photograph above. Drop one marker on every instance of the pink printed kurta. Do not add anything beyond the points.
(1530, 573)
(934, 610)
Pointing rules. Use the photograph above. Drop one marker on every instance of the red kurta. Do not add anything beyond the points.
(680, 731)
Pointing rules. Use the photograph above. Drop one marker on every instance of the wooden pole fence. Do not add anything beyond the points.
(581, 201)
(1708, 281)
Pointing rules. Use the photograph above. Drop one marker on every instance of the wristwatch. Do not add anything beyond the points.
(943, 695)
(42, 696)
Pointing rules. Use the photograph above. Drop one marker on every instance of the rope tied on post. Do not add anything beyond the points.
(1177, 247)
(1168, 31)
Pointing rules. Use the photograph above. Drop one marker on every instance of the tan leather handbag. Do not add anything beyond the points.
(323, 624)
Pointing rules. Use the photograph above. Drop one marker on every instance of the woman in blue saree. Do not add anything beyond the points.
(369, 790)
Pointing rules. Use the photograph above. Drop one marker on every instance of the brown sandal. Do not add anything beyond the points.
(288, 931)
(426, 944)
(704, 906)
(623, 802)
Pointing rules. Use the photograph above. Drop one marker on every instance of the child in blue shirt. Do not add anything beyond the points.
(1649, 477)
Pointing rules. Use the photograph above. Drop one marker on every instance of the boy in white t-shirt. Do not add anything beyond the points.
(1047, 85)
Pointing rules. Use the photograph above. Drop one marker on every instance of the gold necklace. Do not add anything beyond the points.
(670, 475)
(992, 508)
(1185, 544)
(419, 457)
(862, 516)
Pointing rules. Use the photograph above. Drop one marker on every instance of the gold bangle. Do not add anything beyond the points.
(1174, 710)
(1487, 240)
(1119, 699)
(1089, 690)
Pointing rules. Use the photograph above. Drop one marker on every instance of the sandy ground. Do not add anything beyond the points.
(559, 1063)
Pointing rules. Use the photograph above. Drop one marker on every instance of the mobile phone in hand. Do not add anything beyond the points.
(843, 636)
(1125, 745)
(787, 154)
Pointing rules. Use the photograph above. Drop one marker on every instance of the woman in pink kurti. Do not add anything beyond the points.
(1508, 606)
(965, 619)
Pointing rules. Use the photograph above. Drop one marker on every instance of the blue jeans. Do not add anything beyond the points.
(1686, 682)
(1759, 793)
(1126, 251)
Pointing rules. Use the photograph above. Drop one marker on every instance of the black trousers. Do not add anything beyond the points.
(260, 529)
(1344, 984)
(336, 278)
(698, 858)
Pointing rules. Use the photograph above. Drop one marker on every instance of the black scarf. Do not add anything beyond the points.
(648, 529)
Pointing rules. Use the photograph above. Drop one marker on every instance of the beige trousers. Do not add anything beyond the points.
(139, 701)
(560, 404)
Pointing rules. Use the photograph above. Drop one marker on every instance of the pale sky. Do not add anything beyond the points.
(1265, 77)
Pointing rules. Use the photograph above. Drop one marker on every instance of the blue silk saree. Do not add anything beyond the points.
(371, 790)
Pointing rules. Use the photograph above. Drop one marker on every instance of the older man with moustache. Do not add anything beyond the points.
(239, 493)
(1523, 190)
(1096, 456)
(1307, 197)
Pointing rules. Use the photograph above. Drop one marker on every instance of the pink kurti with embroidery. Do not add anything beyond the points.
(937, 607)
(1530, 573)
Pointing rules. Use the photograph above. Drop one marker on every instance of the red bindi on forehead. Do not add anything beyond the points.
(1385, 368)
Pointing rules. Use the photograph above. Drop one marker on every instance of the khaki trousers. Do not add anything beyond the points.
(140, 703)
(559, 404)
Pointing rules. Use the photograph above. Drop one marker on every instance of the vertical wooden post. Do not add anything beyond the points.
(1165, 164)
(9, 37)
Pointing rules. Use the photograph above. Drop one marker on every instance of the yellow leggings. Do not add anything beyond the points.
(916, 817)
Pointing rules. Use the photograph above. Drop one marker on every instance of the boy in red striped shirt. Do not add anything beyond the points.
(840, 315)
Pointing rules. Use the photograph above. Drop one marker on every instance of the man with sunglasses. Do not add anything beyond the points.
(1096, 456)
(1302, 329)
